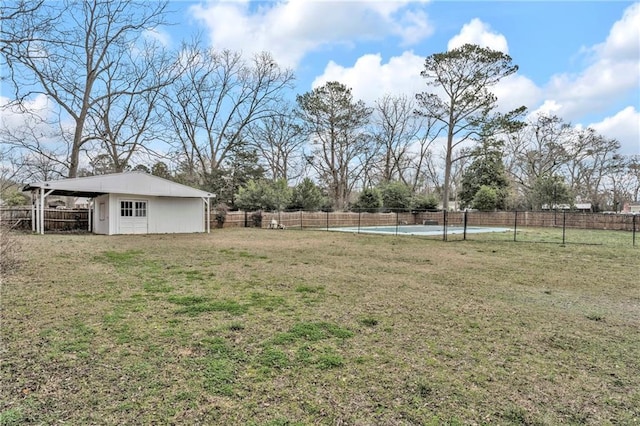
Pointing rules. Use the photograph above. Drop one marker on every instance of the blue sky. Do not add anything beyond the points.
(578, 60)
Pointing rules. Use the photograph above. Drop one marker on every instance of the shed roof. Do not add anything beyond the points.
(132, 183)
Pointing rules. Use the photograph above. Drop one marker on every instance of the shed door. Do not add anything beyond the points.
(133, 217)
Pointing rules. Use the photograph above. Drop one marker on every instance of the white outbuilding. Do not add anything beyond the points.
(129, 203)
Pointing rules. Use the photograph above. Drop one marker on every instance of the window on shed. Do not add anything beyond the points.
(126, 208)
(141, 209)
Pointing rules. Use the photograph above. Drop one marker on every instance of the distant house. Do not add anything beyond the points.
(56, 204)
(631, 208)
(580, 207)
(583, 207)
(129, 203)
(556, 207)
(81, 203)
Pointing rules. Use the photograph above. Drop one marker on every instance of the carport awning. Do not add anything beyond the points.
(67, 192)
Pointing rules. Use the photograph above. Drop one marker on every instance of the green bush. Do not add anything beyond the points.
(396, 196)
(486, 199)
(307, 196)
(264, 195)
(370, 200)
(13, 197)
(424, 202)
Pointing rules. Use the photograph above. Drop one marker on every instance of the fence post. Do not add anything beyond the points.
(327, 220)
(634, 229)
(515, 226)
(397, 223)
(301, 213)
(444, 225)
(564, 224)
(464, 230)
(359, 216)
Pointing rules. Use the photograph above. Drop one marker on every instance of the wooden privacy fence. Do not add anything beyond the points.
(541, 219)
(54, 219)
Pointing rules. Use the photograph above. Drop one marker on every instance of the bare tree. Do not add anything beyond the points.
(217, 96)
(395, 129)
(279, 139)
(30, 141)
(66, 60)
(126, 120)
(405, 144)
(539, 149)
(21, 23)
(593, 166)
(623, 183)
(341, 149)
(588, 162)
(24, 129)
(9, 169)
(630, 180)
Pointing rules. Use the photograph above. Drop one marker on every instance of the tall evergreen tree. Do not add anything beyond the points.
(462, 101)
(487, 169)
(341, 148)
(307, 196)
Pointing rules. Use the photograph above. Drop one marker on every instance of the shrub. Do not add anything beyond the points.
(486, 199)
(307, 196)
(370, 200)
(263, 194)
(13, 197)
(256, 219)
(221, 214)
(424, 202)
(396, 195)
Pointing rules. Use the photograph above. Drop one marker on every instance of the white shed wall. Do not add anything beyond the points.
(175, 215)
(165, 215)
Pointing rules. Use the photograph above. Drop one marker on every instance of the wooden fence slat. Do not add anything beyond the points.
(54, 219)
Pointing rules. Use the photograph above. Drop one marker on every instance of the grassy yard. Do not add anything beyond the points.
(259, 327)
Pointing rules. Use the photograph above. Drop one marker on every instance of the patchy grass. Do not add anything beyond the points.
(244, 326)
(10, 256)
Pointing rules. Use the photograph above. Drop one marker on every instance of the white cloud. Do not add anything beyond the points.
(623, 126)
(515, 91)
(613, 72)
(623, 41)
(35, 123)
(548, 107)
(370, 79)
(478, 32)
(413, 27)
(159, 35)
(291, 29)
(14, 117)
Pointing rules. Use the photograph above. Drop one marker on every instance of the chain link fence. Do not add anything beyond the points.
(562, 227)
